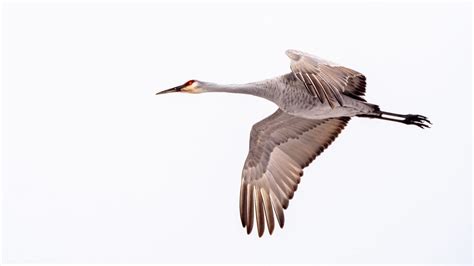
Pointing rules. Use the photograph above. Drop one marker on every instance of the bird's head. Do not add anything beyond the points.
(191, 86)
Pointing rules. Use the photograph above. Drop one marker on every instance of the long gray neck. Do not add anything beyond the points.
(260, 89)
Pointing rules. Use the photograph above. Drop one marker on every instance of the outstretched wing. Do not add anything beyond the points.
(281, 145)
(326, 80)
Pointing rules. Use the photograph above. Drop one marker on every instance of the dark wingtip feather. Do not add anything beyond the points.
(260, 216)
(250, 204)
(243, 204)
(268, 211)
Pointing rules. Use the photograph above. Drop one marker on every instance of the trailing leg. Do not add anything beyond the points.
(417, 120)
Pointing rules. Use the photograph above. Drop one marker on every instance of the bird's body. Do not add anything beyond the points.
(285, 91)
(315, 101)
(293, 100)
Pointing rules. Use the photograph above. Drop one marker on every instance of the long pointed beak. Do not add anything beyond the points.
(175, 89)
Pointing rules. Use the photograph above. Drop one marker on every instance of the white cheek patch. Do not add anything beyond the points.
(193, 88)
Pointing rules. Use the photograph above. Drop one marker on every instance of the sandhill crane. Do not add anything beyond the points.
(315, 102)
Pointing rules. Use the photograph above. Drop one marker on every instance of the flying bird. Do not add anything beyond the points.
(315, 102)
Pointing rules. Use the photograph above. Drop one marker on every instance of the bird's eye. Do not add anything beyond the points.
(190, 82)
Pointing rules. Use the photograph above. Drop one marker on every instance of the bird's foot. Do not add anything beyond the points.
(417, 120)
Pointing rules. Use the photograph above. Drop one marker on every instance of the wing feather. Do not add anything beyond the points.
(326, 80)
(281, 145)
(249, 215)
(259, 210)
(278, 209)
(268, 209)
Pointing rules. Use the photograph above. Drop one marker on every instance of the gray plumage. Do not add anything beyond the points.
(316, 101)
(281, 145)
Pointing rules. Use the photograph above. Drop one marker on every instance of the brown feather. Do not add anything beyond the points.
(281, 145)
(259, 212)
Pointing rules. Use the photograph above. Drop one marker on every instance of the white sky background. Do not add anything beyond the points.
(96, 168)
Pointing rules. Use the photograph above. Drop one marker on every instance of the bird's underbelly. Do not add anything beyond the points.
(322, 111)
(325, 112)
